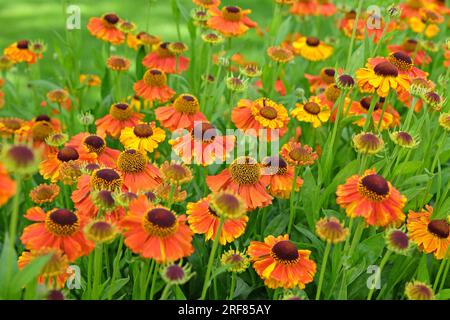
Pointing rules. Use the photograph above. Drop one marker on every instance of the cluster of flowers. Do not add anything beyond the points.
(123, 191)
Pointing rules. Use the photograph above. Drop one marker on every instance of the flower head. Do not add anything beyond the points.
(372, 197)
(235, 261)
(330, 229)
(367, 143)
(280, 264)
(416, 290)
(99, 231)
(176, 273)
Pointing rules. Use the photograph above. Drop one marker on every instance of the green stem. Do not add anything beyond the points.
(445, 274)
(13, 226)
(233, 286)
(373, 103)
(441, 269)
(410, 114)
(211, 259)
(155, 272)
(292, 201)
(352, 41)
(322, 269)
(165, 292)
(358, 233)
(97, 272)
(171, 194)
(382, 264)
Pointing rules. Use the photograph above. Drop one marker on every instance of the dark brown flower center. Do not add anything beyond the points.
(386, 69)
(285, 251)
(143, 130)
(111, 18)
(67, 154)
(440, 228)
(63, 217)
(23, 44)
(161, 217)
(21, 155)
(268, 112)
(312, 108)
(107, 174)
(410, 45)
(155, 72)
(174, 272)
(94, 142)
(399, 239)
(376, 184)
(91, 167)
(365, 103)
(43, 117)
(312, 41)
(121, 106)
(232, 9)
(329, 72)
(346, 80)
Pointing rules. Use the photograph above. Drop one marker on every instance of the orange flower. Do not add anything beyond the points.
(182, 114)
(280, 264)
(7, 186)
(54, 269)
(105, 28)
(297, 155)
(92, 148)
(203, 145)
(412, 48)
(50, 168)
(362, 107)
(142, 39)
(121, 115)
(44, 193)
(279, 177)
(100, 180)
(320, 82)
(432, 236)
(138, 174)
(13, 126)
(262, 117)
(164, 59)
(90, 80)
(403, 62)
(244, 178)
(58, 228)
(381, 78)
(231, 21)
(156, 232)
(203, 219)
(20, 52)
(153, 87)
(304, 8)
(207, 3)
(117, 63)
(372, 197)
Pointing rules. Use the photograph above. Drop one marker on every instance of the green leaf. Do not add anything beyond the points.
(277, 225)
(139, 66)
(443, 295)
(406, 168)
(179, 295)
(115, 287)
(28, 274)
(422, 270)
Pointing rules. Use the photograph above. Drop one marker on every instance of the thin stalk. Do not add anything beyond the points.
(165, 292)
(98, 254)
(292, 200)
(211, 259)
(155, 273)
(322, 269)
(352, 41)
(382, 264)
(233, 286)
